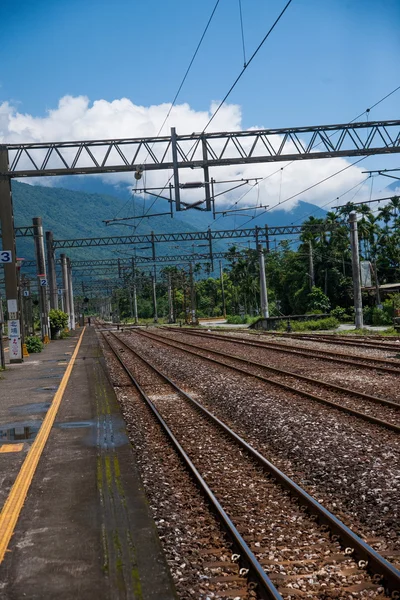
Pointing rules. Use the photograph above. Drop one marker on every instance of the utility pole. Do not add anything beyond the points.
(65, 281)
(71, 294)
(51, 263)
(355, 263)
(9, 261)
(192, 296)
(135, 310)
(2, 358)
(377, 293)
(170, 303)
(263, 284)
(311, 257)
(221, 277)
(154, 283)
(42, 278)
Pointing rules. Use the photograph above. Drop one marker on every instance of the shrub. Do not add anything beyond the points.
(33, 344)
(235, 320)
(339, 313)
(58, 319)
(317, 300)
(320, 324)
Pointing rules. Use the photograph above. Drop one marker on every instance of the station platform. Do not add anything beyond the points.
(74, 519)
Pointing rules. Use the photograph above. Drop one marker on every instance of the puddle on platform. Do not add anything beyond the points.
(33, 408)
(48, 388)
(16, 432)
(74, 424)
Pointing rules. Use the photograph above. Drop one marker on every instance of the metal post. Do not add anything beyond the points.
(210, 248)
(221, 276)
(311, 260)
(2, 358)
(263, 284)
(154, 283)
(176, 170)
(65, 280)
(192, 296)
(10, 268)
(51, 263)
(355, 263)
(42, 278)
(170, 303)
(71, 295)
(267, 238)
(206, 174)
(135, 310)
(377, 292)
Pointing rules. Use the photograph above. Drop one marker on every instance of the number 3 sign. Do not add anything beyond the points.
(5, 256)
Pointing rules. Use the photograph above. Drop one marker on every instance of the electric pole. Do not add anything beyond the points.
(65, 280)
(42, 278)
(192, 296)
(263, 284)
(52, 270)
(71, 294)
(221, 277)
(154, 283)
(355, 263)
(311, 257)
(170, 303)
(9, 261)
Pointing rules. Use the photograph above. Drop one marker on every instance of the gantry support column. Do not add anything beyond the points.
(10, 268)
(42, 278)
(71, 295)
(263, 284)
(65, 281)
(154, 284)
(52, 277)
(355, 263)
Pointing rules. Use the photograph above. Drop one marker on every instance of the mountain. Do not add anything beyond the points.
(72, 214)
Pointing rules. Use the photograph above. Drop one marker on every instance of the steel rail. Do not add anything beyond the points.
(375, 563)
(326, 384)
(339, 340)
(304, 351)
(265, 587)
(285, 386)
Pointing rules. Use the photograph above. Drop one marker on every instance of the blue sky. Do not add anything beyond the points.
(326, 62)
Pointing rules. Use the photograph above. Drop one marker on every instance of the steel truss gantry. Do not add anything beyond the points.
(203, 149)
(191, 236)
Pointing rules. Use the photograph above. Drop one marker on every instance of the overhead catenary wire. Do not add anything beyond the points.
(293, 161)
(246, 65)
(179, 91)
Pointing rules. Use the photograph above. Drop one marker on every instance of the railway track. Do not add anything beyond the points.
(373, 409)
(360, 361)
(375, 343)
(272, 523)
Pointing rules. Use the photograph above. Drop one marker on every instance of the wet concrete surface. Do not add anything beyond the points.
(85, 531)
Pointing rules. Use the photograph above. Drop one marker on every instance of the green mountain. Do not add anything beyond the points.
(70, 215)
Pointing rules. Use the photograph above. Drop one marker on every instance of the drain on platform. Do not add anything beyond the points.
(74, 424)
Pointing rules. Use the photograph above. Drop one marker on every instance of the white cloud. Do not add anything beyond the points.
(76, 118)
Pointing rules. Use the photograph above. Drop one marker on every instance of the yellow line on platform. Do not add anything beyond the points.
(16, 498)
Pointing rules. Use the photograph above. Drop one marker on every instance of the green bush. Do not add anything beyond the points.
(339, 313)
(381, 317)
(34, 344)
(320, 324)
(235, 320)
(58, 319)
